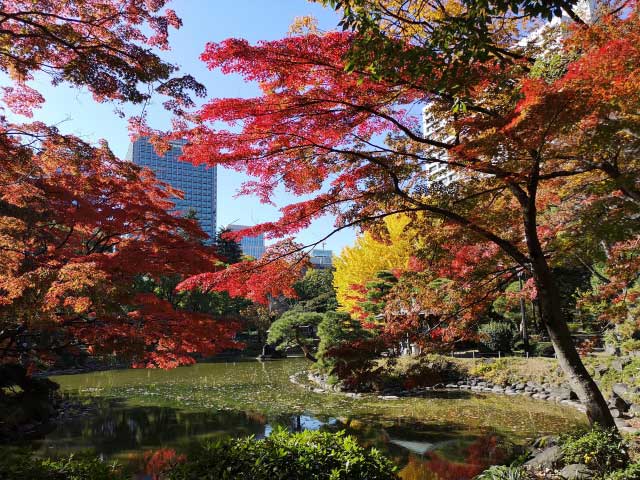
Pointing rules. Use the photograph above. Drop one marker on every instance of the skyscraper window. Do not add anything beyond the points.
(197, 182)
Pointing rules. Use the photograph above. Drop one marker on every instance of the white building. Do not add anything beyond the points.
(435, 128)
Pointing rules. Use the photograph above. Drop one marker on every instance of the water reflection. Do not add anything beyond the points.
(450, 435)
(148, 439)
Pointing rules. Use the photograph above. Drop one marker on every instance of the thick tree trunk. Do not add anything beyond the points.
(568, 358)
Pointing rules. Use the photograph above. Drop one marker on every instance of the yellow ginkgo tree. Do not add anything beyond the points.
(390, 250)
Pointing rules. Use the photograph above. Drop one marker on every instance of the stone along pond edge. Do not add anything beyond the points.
(558, 395)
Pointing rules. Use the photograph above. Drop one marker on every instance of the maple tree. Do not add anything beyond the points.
(339, 126)
(106, 46)
(79, 227)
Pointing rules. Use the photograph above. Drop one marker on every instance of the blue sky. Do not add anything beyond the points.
(74, 111)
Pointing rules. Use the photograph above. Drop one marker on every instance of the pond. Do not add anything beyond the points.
(139, 415)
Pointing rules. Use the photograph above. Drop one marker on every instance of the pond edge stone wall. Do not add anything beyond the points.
(545, 392)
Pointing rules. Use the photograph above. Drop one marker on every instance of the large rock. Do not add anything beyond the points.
(576, 471)
(621, 389)
(546, 459)
(619, 403)
(563, 393)
(619, 363)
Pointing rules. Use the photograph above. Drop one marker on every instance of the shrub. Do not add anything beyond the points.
(632, 472)
(425, 371)
(501, 472)
(497, 336)
(544, 349)
(20, 465)
(599, 449)
(305, 456)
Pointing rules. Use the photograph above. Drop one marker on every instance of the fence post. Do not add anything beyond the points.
(498, 353)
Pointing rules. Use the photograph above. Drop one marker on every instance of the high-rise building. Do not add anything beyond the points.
(321, 259)
(435, 127)
(197, 182)
(251, 246)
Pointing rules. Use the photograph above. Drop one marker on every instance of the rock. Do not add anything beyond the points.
(546, 459)
(611, 349)
(389, 397)
(620, 389)
(620, 363)
(563, 393)
(520, 386)
(619, 403)
(620, 423)
(576, 471)
(601, 369)
(546, 441)
(634, 409)
(615, 413)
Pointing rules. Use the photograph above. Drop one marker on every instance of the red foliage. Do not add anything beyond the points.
(159, 462)
(77, 227)
(259, 280)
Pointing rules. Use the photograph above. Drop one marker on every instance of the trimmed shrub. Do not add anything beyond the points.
(497, 336)
(304, 456)
(599, 449)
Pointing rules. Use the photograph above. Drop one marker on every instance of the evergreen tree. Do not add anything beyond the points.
(227, 248)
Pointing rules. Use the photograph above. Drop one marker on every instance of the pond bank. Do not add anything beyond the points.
(626, 414)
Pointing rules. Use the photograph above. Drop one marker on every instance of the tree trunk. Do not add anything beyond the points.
(305, 350)
(568, 358)
(307, 354)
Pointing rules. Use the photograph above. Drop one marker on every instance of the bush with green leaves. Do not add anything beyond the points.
(21, 465)
(543, 349)
(304, 456)
(602, 450)
(497, 336)
(503, 472)
(632, 472)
